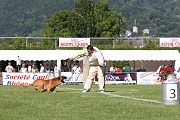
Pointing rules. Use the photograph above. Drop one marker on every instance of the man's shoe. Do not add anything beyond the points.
(101, 91)
(85, 90)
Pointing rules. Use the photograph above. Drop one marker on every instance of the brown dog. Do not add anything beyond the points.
(48, 85)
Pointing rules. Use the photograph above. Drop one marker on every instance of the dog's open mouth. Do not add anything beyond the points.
(64, 77)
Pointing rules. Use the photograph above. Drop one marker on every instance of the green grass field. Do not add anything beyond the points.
(120, 102)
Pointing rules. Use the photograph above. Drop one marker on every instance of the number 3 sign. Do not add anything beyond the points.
(171, 91)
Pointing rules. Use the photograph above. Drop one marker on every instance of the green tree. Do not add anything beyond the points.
(45, 44)
(19, 44)
(59, 25)
(150, 45)
(87, 20)
(84, 10)
(108, 22)
(4, 44)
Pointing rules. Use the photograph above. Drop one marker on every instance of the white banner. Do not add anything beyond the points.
(74, 42)
(28, 78)
(72, 77)
(22, 78)
(147, 78)
(169, 42)
(151, 77)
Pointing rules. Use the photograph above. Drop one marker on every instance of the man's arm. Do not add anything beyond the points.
(100, 58)
(79, 54)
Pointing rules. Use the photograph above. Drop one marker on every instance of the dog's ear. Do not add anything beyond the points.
(59, 78)
(62, 77)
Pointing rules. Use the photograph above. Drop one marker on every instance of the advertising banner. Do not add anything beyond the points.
(72, 77)
(117, 78)
(22, 78)
(151, 78)
(74, 42)
(28, 78)
(169, 42)
(148, 78)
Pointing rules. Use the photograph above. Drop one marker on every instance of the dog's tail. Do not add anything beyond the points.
(26, 85)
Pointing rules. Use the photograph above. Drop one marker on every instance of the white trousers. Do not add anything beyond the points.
(93, 71)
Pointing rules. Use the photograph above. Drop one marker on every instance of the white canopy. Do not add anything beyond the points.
(109, 55)
(36, 55)
(141, 55)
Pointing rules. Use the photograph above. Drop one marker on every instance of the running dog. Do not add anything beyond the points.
(47, 85)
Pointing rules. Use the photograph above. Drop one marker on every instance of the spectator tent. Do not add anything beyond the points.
(149, 59)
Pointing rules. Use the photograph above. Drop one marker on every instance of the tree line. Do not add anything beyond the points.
(28, 18)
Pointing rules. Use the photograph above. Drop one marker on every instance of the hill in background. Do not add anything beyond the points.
(27, 17)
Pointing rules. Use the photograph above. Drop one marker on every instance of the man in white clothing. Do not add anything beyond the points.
(96, 62)
(23, 69)
(9, 68)
(112, 69)
(18, 62)
(76, 71)
(29, 69)
(41, 68)
(56, 71)
(34, 69)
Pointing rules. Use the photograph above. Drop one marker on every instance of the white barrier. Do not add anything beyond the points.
(28, 78)
(22, 78)
(72, 77)
(151, 77)
(147, 78)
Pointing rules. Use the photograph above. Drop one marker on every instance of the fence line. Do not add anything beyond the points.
(111, 42)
